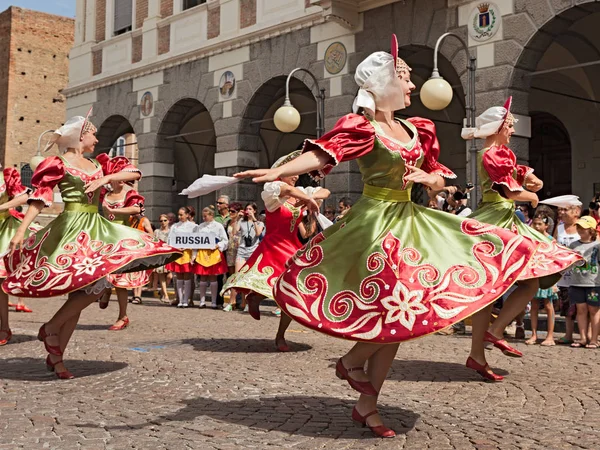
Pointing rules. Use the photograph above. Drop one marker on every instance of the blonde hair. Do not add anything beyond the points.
(209, 210)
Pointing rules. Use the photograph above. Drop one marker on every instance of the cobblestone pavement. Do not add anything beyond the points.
(202, 379)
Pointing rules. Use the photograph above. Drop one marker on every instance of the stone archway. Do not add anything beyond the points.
(258, 132)
(186, 138)
(556, 75)
(110, 131)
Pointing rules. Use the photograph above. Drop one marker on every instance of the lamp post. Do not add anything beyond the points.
(287, 118)
(38, 158)
(436, 94)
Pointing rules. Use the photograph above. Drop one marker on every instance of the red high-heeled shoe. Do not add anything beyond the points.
(42, 336)
(502, 345)
(364, 387)
(116, 327)
(282, 347)
(50, 366)
(7, 338)
(483, 370)
(379, 431)
(23, 308)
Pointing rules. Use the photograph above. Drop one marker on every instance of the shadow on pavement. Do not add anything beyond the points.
(241, 345)
(20, 338)
(34, 369)
(435, 371)
(297, 415)
(93, 326)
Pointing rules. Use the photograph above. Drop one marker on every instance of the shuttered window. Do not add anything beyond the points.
(187, 4)
(26, 174)
(123, 16)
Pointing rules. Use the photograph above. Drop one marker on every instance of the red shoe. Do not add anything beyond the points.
(7, 338)
(116, 327)
(52, 349)
(379, 431)
(66, 375)
(253, 303)
(10, 305)
(281, 346)
(23, 308)
(483, 370)
(502, 345)
(364, 387)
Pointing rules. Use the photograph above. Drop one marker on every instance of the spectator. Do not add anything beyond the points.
(329, 213)
(543, 297)
(584, 285)
(527, 212)
(344, 206)
(566, 233)
(223, 210)
(549, 213)
(161, 273)
(172, 219)
(250, 229)
(461, 208)
(234, 235)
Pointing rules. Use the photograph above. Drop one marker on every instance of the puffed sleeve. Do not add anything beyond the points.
(501, 164)
(14, 186)
(352, 136)
(134, 198)
(47, 175)
(271, 195)
(522, 173)
(222, 236)
(431, 148)
(116, 165)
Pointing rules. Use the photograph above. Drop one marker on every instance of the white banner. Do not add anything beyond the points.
(200, 240)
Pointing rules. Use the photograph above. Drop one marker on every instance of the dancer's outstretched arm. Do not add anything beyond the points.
(35, 207)
(305, 163)
(17, 201)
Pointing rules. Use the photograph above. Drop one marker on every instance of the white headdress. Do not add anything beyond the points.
(377, 77)
(490, 122)
(69, 135)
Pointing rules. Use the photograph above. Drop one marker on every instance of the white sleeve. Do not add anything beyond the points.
(271, 196)
(222, 235)
(310, 191)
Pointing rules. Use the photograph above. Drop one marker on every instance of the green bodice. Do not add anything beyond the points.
(72, 185)
(385, 166)
(486, 183)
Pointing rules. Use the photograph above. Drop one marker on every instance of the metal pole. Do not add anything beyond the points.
(320, 99)
(474, 200)
(321, 114)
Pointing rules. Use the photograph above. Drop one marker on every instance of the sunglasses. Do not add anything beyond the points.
(221, 203)
(164, 220)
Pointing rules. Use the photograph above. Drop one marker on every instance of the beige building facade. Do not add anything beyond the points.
(198, 82)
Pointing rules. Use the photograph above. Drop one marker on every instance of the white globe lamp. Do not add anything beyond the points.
(436, 93)
(287, 118)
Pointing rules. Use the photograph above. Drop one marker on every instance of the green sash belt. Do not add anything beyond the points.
(386, 195)
(494, 197)
(4, 215)
(81, 207)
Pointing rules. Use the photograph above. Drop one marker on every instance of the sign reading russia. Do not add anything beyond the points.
(200, 240)
(484, 21)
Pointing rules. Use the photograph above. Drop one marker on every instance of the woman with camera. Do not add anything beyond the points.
(249, 229)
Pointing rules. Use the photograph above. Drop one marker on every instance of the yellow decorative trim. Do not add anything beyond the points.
(386, 195)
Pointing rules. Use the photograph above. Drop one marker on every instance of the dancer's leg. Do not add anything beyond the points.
(284, 323)
(480, 324)
(358, 356)
(377, 371)
(514, 305)
(4, 325)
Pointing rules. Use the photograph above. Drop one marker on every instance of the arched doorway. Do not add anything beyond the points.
(258, 132)
(117, 138)
(550, 154)
(558, 73)
(187, 135)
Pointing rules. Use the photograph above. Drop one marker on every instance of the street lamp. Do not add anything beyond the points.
(436, 94)
(38, 158)
(287, 118)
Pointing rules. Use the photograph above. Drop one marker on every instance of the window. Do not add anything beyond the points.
(26, 174)
(123, 16)
(119, 148)
(187, 4)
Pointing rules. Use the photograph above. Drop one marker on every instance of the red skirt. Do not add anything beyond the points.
(180, 268)
(216, 269)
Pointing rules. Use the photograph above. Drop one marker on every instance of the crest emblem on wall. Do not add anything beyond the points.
(484, 21)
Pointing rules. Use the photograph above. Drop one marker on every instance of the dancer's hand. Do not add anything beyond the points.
(534, 201)
(93, 186)
(17, 241)
(533, 183)
(417, 175)
(307, 202)
(259, 175)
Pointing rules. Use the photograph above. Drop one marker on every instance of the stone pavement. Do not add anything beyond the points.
(202, 379)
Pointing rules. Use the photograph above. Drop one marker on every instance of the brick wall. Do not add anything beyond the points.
(38, 70)
(166, 8)
(141, 12)
(247, 13)
(164, 39)
(214, 22)
(4, 71)
(136, 48)
(100, 20)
